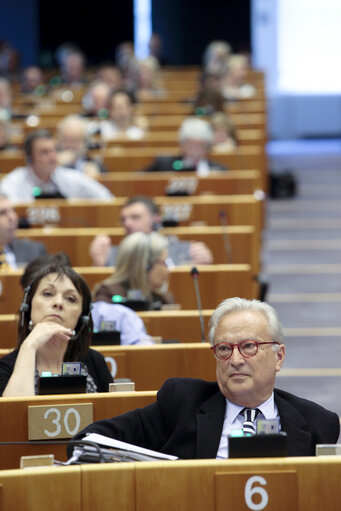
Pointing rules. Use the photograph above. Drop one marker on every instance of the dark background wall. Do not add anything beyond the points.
(37, 27)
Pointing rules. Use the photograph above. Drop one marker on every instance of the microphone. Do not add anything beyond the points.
(195, 273)
(226, 237)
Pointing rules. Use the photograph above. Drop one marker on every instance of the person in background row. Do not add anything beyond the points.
(216, 57)
(114, 316)
(141, 272)
(193, 418)
(95, 101)
(5, 99)
(140, 213)
(33, 81)
(43, 177)
(73, 141)
(15, 252)
(5, 143)
(73, 67)
(108, 73)
(122, 121)
(195, 140)
(147, 79)
(54, 327)
(224, 132)
(234, 85)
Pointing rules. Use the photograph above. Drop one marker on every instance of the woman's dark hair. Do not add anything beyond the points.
(34, 267)
(77, 347)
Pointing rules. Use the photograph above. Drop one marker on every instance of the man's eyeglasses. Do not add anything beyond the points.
(247, 348)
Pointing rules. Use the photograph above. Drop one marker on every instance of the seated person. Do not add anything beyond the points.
(127, 322)
(5, 99)
(147, 78)
(5, 143)
(43, 176)
(122, 121)
(54, 327)
(33, 81)
(193, 418)
(195, 139)
(73, 140)
(96, 100)
(15, 252)
(141, 272)
(216, 57)
(108, 73)
(234, 85)
(224, 132)
(73, 68)
(140, 213)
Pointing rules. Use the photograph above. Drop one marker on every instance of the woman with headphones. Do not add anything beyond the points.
(54, 327)
(141, 272)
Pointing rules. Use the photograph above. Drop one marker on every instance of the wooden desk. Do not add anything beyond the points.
(128, 184)
(15, 427)
(127, 160)
(216, 282)
(295, 484)
(181, 325)
(205, 209)
(171, 139)
(244, 241)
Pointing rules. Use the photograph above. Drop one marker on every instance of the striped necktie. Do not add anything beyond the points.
(250, 415)
(3, 263)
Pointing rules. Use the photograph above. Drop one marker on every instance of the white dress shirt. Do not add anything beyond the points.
(234, 421)
(18, 185)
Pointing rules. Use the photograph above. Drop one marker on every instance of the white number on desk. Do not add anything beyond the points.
(250, 491)
(57, 418)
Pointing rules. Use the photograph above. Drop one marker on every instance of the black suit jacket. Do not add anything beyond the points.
(188, 416)
(165, 164)
(26, 250)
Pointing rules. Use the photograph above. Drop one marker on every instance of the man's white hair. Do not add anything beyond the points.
(197, 129)
(241, 304)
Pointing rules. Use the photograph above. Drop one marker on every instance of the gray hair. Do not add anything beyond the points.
(197, 129)
(241, 304)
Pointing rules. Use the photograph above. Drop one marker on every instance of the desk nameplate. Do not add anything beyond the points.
(50, 422)
(256, 491)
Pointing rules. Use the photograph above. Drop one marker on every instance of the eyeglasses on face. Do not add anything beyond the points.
(247, 348)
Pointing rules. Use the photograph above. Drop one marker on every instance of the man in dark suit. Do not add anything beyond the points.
(194, 418)
(195, 139)
(17, 252)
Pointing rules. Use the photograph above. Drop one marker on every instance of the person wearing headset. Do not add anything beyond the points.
(141, 272)
(54, 326)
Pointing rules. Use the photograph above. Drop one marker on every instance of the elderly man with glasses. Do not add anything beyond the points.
(193, 418)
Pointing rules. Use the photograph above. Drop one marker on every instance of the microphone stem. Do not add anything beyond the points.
(201, 318)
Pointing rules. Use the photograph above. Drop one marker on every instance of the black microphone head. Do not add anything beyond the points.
(24, 307)
(194, 272)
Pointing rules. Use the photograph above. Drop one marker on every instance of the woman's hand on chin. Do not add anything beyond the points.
(46, 331)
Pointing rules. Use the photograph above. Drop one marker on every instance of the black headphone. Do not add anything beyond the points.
(24, 306)
(149, 254)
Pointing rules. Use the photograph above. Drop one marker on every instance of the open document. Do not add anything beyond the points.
(113, 451)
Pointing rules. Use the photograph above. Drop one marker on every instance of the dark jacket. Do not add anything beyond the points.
(169, 163)
(95, 362)
(27, 250)
(188, 416)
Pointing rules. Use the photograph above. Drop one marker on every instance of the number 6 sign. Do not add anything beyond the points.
(246, 491)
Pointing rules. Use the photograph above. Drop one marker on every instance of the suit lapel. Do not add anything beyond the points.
(210, 422)
(296, 428)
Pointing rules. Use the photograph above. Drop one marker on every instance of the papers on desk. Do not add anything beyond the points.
(115, 451)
